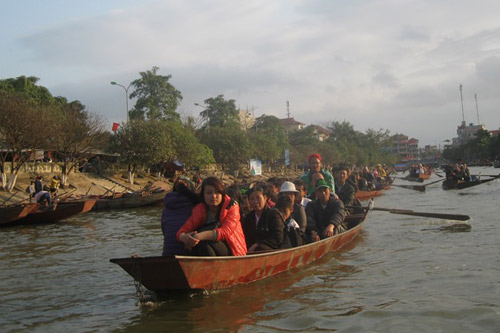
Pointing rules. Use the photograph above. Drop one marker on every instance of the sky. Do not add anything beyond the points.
(386, 64)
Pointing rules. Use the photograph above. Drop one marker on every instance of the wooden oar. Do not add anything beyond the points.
(457, 217)
(13, 194)
(66, 195)
(480, 175)
(117, 183)
(104, 187)
(420, 188)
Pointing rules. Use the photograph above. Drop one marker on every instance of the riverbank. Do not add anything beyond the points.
(81, 184)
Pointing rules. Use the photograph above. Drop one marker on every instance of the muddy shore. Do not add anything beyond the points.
(81, 184)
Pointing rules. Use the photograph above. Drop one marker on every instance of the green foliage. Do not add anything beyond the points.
(220, 112)
(187, 147)
(142, 143)
(271, 127)
(156, 97)
(229, 144)
(484, 146)
(27, 88)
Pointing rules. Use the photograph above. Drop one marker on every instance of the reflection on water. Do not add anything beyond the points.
(403, 273)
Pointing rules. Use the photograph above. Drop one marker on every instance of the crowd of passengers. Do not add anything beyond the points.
(458, 171)
(276, 214)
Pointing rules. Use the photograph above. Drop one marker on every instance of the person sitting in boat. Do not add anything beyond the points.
(257, 198)
(370, 179)
(299, 212)
(301, 187)
(361, 182)
(234, 192)
(316, 166)
(325, 214)
(273, 188)
(214, 227)
(465, 172)
(270, 233)
(381, 173)
(343, 188)
(178, 207)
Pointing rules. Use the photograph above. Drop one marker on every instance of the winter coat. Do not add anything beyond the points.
(318, 218)
(307, 177)
(230, 230)
(177, 209)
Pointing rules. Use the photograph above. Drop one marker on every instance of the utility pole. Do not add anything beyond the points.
(288, 109)
(477, 110)
(462, 100)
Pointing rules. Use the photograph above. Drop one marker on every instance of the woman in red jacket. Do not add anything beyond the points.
(214, 227)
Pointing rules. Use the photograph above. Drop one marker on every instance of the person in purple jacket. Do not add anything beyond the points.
(178, 206)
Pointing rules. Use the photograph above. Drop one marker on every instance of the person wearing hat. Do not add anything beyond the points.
(299, 212)
(315, 173)
(325, 214)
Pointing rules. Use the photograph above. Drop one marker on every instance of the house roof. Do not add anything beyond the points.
(322, 130)
(290, 122)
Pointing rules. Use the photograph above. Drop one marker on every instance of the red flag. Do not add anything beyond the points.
(115, 127)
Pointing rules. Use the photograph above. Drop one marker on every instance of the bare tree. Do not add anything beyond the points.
(75, 134)
(23, 129)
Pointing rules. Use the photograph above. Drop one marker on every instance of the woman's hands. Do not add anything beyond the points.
(189, 240)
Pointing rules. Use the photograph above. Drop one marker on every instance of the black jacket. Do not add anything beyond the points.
(318, 218)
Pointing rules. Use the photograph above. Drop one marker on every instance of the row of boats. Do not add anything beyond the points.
(35, 213)
(167, 273)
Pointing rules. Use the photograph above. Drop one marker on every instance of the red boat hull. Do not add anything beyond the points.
(188, 272)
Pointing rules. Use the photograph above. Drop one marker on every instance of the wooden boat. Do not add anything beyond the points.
(130, 200)
(56, 212)
(366, 195)
(461, 184)
(189, 272)
(15, 212)
(413, 179)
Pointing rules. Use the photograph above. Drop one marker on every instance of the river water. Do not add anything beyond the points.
(402, 274)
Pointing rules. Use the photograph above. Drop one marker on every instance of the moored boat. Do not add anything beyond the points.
(56, 212)
(414, 179)
(189, 272)
(130, 200)
(12, 213)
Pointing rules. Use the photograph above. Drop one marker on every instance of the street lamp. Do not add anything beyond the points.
(208, 114)
(113, 83)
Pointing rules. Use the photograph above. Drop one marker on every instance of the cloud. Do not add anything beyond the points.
(376, 64)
